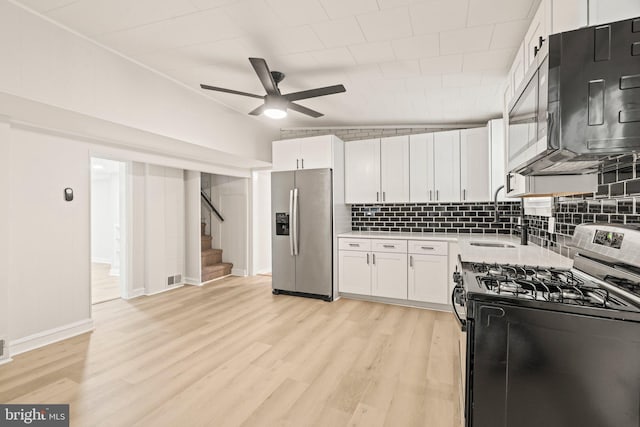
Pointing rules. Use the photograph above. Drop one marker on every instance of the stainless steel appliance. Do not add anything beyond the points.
(579, 103)
(302, 235)
(555, 347)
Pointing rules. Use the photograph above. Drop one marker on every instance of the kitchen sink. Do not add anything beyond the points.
(492, 245)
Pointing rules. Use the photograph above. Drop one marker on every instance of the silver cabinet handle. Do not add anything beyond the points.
(294, 228)
(367, 259)
(302, 164)
(430, 194)
(291, 218)
(427, 248)
(389, 246)
(356, 245)
(437, 195)
(374, 259)
(411, 261)
(384, 196)
(377, 196)
(297, 164)
(464, 194)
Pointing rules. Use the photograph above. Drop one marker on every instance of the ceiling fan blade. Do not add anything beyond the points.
(312, 93)
(235, 92)
(304, 110)
(262, 70)
(257, 111)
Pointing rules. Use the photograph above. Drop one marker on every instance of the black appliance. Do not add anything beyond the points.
(555, 347)
(579, 102)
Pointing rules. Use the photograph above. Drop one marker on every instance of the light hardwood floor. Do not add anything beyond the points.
(103, 286)
(230, 354)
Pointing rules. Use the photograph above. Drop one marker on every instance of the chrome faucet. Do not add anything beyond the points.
(496, 214)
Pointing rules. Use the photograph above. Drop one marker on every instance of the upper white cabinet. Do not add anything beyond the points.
(394, 169)
(421, 185)
(362, 171)
(538, 32)
(304, 153)
(603, 11)
(446, 166)
(567, 15)
(497, 172)
(475, 162)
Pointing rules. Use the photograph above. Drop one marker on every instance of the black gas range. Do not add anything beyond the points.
(563, 341)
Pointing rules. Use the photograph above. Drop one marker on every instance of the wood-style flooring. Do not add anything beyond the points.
(230, 354)
(103, 286)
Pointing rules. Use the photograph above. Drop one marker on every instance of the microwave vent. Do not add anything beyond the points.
(577, 166)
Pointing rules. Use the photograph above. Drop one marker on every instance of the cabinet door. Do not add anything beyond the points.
(428, 278)
(285, 155)
(446, 166)
(316, 152)
(475, 160)
(539, 27)
(394, 169)
(568, 15)
(354, 272)
(516, 74)
(421, 168)
(362, 171)
(498, 159)
(389, 275)
(605, 11)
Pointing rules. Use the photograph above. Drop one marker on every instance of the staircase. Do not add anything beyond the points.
(212, 265)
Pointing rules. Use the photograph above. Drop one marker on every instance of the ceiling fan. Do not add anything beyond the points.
(275, 103)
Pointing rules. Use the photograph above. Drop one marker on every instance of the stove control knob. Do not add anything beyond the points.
(457, 277)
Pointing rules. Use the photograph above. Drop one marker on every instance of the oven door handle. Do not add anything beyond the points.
(463, 322)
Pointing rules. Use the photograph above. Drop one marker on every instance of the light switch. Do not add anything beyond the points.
(552, 225)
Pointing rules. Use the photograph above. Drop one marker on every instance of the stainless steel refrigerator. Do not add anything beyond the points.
(302, 233)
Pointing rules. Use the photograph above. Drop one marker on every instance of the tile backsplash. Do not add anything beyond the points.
(477, 218)
(617, 201)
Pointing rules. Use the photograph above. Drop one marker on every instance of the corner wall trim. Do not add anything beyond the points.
(169, 288)
(135, 293)
(239, 272)
(40, 339)
(192, 281)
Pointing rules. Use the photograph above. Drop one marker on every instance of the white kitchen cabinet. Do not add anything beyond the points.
(421, 179)
(567, 15)
(394, 169)
(446, 168)
(304, 153)
(605, 11)
(389, 275)
(362, 171)
(428, 278)
(475, 163)
(516, 73)
(354, 272)
(498, 160)
(538, 32)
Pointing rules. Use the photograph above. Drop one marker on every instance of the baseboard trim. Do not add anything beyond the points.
(402, 302)
(114, 272)
(192, 281)
(101, 261)
(239, 272)
(169, 288)
(5, 361)
(135, 293)
(216, 279)
(50, 336)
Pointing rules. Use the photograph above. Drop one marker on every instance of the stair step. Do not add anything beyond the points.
(205, 242)
(211, 257)
(217, 270)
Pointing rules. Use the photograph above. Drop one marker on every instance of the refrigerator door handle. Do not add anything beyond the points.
(291, 217)
(294, 227)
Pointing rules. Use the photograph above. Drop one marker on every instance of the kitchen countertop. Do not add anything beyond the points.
(529, 255)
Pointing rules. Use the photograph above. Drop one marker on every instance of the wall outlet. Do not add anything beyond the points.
(552, 225)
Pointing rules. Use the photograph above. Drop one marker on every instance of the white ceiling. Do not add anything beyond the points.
(402, 61)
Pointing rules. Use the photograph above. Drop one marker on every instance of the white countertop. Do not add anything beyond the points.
(530, 254)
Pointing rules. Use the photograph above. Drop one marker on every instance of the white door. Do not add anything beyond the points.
(539, 27)
(316, 152)
(428, 278)
(446, 166)
(421, 168)
(394, 168)
(475, 161)
(362, 171)
(389, 275)
(285, 155)
(354, 274)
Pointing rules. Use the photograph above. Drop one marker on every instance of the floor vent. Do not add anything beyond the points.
(177, 278)
(170, 280)
(1, 348)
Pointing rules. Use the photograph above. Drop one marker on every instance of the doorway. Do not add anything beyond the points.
(108, 180)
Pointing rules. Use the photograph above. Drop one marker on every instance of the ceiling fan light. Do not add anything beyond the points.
(275, 113)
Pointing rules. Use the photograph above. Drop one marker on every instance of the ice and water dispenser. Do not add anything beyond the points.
(282, 224)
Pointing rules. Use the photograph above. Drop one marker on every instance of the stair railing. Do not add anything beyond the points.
(209, 205)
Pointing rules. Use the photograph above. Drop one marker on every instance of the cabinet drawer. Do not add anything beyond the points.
(427, 247)
(354, 244)
(386, 245)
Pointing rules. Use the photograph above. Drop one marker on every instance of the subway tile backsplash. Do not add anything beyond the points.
(476, 218)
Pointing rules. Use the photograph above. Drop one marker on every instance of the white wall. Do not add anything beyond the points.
(48, 64)
(49, 275)
(192, 227)
(261, 227)
(5, 176)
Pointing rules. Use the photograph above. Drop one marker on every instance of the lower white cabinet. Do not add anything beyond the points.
(389, 275)
(428, 278)
(354, 272)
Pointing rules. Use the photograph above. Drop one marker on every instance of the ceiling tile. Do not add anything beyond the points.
(342, 8)
(491, 60)
(210, 4)
(441, 64)
(466, 40)
(45, 5)
(294, 40)
(339, 32)
(293, 62)
(492, 11)
(461, 80)
(400, 69)
(509, 34)
(334, 58)
(420, 84)
(417, 47)
(439, 15)
(254, 16)
(386, 25)
(298, 12)
(372, 52)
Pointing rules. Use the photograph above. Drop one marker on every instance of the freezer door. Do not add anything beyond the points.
(283, 260)
(313, 234)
